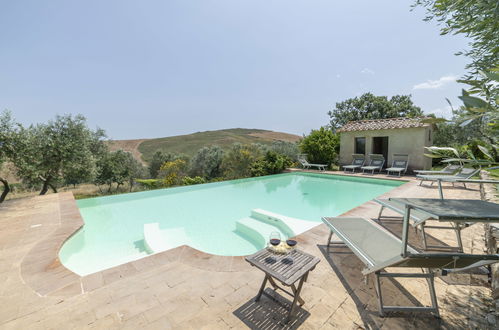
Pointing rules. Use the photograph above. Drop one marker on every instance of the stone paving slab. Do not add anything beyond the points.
(188, 289)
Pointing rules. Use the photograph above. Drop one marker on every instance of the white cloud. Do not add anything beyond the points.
(367, 71)
(434, 84)
(445, 112)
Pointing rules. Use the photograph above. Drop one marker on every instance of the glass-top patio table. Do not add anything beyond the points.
(453, 210)
(466, 210)
(464, 181)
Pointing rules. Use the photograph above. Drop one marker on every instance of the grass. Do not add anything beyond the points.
(494, 174)
(189, 144)
(81, 191)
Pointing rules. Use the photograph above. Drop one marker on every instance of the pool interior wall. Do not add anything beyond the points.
(215, 218)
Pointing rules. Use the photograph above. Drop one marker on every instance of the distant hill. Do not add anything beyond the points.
(189, 144)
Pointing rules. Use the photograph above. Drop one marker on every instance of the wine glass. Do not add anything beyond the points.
(275, 238)
(292, 245)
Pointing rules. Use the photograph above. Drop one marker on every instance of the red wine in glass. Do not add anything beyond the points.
(291, 242)
(275, 238)
(275, 241)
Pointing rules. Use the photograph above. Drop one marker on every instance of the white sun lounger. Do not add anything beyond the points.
(376, 163)
(357, 162)
(399, 166)
(379, 249)
(463, 174)
(449, 169)
(304, 162)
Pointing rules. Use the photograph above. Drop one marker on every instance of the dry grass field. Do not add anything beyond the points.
(127, 145)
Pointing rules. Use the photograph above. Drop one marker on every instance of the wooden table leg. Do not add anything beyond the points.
(273, 283)
(258, 296)
(297, 296)
(300, 301)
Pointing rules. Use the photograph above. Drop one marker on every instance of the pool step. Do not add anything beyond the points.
(289, 224)
(158, 240)
(261, 223)
(258, 231)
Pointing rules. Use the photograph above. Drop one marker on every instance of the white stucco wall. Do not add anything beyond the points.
(409, 141)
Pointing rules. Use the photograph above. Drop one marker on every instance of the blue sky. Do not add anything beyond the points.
(152, 68)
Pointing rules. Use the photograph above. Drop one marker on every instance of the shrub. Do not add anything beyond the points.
(187, 180)
(321, 146)
(149, 183)
(157, 160)
(172, 172)
(271, 163)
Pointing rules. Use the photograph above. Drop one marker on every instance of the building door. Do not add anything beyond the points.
(380, 146)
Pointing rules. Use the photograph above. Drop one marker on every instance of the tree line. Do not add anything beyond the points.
(66, 152)
(212, 163)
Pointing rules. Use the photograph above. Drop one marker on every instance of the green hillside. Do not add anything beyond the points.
(189, 144)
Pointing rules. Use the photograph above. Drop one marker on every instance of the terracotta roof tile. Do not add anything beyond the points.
(389, 123)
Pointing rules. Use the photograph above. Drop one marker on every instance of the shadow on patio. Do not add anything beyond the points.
(347, 267)
(270, 313)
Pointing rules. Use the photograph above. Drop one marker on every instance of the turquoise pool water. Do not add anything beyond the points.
(205, 217)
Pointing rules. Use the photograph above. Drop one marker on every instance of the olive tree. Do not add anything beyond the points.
(207, 162)
(117, 167)
(288, 149)
(238, 160)
(8, 133)
(478, 20)
(62, 148)
(135, 169)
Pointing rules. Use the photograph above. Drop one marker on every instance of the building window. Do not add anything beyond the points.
(360, 145)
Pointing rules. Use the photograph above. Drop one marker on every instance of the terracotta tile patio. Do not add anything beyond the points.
(185, 288)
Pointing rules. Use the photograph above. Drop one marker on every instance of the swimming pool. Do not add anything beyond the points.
(225, 218)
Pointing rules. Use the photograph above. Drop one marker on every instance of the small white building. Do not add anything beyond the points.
(387, 137)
